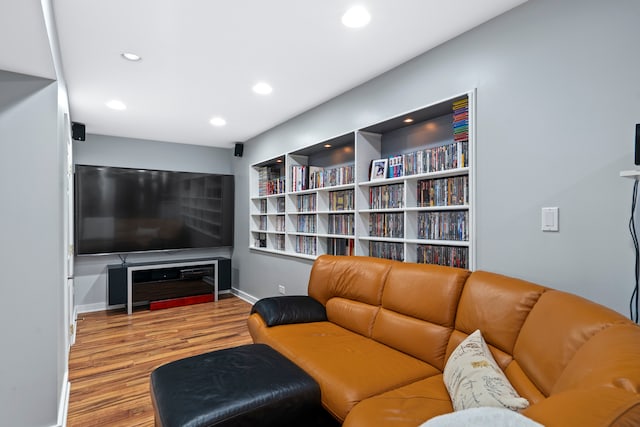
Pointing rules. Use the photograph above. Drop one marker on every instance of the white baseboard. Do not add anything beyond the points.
(89, 308)
(63, 407)
(102, 306)
(244, 296)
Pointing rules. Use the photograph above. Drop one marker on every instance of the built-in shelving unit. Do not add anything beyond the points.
(400, 189)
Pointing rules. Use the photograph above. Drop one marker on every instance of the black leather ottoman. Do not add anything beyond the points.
(251, 385)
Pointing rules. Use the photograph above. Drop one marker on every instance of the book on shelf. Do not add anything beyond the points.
(261, 240)
(445, 225)
(263, 206)
(450, 191)
(299, 178)
(306, 203)
(452, 256)
(341, 200)
(341, 224)
(461, 120)
(306, 245)
(435, 159)
(306, 224)
(275, 186)
(337, 246)
(395, 166)
(270, 181)
(280, 223)
(386, 225)
(388, 250)
(330, 177)
(386, 196)
(316, 178)
(263, 177)
(280, 208)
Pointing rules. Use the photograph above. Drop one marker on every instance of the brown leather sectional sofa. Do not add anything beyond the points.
(390, 328)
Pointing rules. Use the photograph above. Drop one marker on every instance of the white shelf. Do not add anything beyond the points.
(438, 208)
(336, 187)
(350, 211)
(269, 232)
(386, 181)
(301, 233)
(463, 243)
(635, 174)
(337, 236)
(383, 239)
(416, 177)
(383, 210)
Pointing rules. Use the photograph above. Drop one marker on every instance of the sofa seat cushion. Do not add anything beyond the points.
(406, 406)
(588, 407)
(348, 366)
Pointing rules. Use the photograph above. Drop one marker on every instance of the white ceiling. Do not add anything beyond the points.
(201, 57)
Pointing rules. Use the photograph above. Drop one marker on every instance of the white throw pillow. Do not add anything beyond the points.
(474, 379)
(482, 417)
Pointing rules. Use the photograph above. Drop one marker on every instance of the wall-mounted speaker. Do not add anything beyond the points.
(77, 131)
(239, 148)
(637, 162)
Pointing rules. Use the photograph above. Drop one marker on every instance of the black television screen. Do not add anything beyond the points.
(122, 210)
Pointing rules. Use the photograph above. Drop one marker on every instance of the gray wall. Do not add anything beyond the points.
(90, 280)
(557, 98)
(32, 364)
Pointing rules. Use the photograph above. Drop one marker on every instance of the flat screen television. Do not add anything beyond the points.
(124, 210)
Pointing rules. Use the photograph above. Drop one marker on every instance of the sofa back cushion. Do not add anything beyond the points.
(418, 310)
(557, 327)
(353, 315)
(351, 291)
(497, 305)
(609, 358)
(339, 276)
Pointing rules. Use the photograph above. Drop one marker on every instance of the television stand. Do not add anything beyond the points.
(154, 281)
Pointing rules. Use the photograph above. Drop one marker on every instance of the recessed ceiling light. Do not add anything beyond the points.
(218, 121)
(114, 104)
(408, 120)
(327, 145)
(356, 17)
(131, 56)
(279, 161)
(262, 88)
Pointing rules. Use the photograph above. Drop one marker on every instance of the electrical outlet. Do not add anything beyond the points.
(281, 289)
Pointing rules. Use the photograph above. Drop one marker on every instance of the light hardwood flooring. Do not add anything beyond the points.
(114, 354)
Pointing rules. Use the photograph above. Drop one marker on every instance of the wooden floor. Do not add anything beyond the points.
(114, 354)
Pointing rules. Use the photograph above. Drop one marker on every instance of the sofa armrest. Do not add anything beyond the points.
(289, 309)
(591, 407)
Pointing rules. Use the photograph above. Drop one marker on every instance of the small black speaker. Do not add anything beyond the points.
(77, 131)
(238, 149)
(637, 162)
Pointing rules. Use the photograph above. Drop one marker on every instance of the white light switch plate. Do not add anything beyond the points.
(550, 219)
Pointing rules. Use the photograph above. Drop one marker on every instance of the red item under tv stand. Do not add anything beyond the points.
(178, 302)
